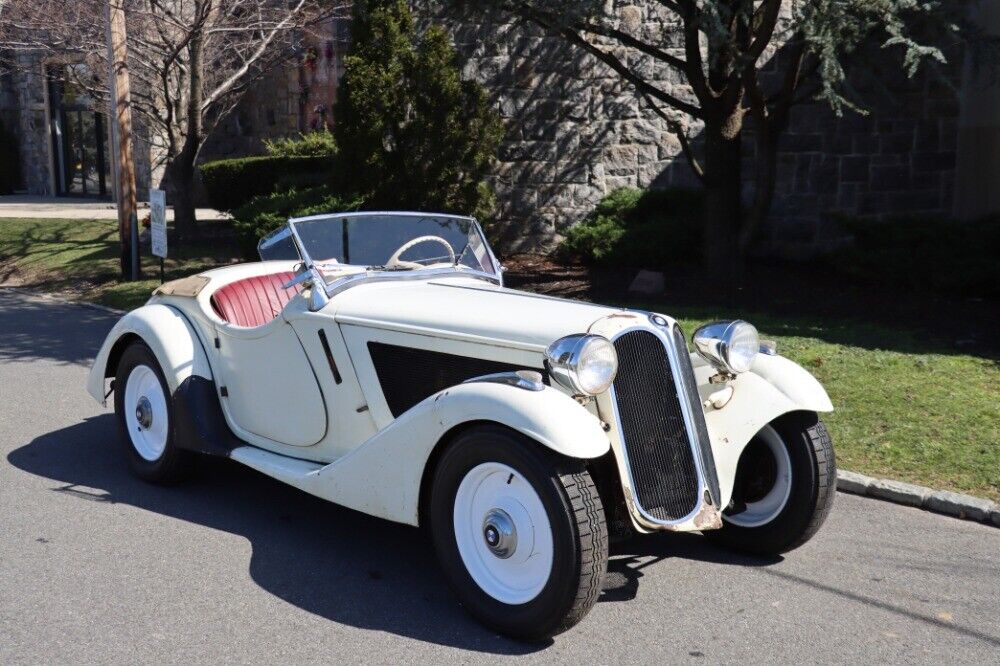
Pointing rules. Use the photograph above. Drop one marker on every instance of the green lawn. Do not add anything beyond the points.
(904, 408)
(907, 406)
(79, 258)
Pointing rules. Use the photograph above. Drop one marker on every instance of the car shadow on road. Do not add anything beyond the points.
(337, 563)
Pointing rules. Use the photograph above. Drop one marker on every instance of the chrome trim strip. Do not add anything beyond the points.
(529, 380)
(667, 341)
(369, 277)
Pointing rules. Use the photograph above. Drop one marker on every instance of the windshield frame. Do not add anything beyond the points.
(369, 273)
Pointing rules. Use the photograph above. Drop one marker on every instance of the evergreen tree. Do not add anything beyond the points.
(412, 134)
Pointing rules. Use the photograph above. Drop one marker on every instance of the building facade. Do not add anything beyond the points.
(575, 132)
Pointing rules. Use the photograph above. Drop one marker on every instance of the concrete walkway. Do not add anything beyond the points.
(31, 206)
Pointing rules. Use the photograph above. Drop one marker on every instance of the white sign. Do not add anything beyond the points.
(158, 222)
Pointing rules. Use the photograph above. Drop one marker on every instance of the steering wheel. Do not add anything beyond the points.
(396, 262)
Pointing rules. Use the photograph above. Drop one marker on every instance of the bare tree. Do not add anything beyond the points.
(719, 49)
(191, 62)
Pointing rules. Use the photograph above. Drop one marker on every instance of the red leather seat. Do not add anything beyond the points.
(254, 301)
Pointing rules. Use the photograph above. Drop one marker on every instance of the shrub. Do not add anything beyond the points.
(233, 182)
(10, 162)
(265, 213)
(639, 228)
(416, 136)
(311, 144)
(924, 253)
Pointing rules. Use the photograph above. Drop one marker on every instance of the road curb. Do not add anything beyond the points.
(61, 299)
(944, 502)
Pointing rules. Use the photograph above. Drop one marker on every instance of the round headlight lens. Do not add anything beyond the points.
(597, 367)
(583, 364)
(743, 346)
(731, 346)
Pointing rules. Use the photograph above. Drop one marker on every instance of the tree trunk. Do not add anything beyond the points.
(765, 177)
(181, 190)
(722, 205)
(182, 166)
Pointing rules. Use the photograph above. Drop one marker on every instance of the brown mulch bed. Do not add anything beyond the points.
(782, 289)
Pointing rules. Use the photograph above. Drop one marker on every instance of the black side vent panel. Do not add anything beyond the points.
(409, 375)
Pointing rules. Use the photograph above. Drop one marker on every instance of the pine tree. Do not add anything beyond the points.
(412, 134)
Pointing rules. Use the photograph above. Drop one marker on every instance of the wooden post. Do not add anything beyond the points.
(121, 135)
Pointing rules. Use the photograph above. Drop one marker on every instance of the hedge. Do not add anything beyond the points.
(231, 183)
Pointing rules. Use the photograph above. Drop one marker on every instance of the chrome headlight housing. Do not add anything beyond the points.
(583, 364)
(730, 346)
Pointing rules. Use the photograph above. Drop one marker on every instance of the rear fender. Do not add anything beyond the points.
(167, 333)
(382, 477)
(774, 386)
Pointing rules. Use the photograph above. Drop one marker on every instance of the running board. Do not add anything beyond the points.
(293, 471)
(346, 481)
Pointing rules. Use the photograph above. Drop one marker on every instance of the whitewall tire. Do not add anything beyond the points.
(519, 532)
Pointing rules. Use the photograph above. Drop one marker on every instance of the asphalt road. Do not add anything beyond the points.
(96, 566)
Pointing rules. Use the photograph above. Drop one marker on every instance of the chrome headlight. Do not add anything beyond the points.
(730, 346)
(583, 364)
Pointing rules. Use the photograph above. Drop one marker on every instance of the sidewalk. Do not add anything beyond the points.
(31, 206)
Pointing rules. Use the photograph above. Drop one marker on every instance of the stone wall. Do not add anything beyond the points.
(898, 159)
(576, 132)
(25, 106)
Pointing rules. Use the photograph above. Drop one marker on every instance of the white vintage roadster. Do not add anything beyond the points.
(377, 361)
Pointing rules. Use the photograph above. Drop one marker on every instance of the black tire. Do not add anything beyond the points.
(574, 511)
(173, 463)
(813, 487)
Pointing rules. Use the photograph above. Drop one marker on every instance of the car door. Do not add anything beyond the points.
(269, 388)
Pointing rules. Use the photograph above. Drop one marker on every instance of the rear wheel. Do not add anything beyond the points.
(145, 417)
(784, 488)
(519, 532)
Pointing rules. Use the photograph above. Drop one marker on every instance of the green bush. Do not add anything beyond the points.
(233, 182)
(414, 134)
(935, 254)
(311, 144)
(10, 162)
(265, 213)
(639, 228)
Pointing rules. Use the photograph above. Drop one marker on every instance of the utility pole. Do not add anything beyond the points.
(121, 138)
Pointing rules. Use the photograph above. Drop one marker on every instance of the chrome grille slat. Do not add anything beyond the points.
(661, 462)
(698, 420)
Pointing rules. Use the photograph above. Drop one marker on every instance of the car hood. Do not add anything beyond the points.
(466, 308)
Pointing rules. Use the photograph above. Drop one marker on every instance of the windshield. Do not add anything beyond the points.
(383, 241)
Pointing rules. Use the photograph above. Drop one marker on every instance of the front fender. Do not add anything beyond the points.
(773, 387)
(167, 333)
(396, 455)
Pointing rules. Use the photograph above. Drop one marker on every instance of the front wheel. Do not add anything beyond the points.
(145, 417)
(785, 483)
(519, 532)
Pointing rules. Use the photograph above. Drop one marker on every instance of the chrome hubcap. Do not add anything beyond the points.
(144, 413)
(500, 533)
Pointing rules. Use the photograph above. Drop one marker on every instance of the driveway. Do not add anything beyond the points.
(232, 567)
